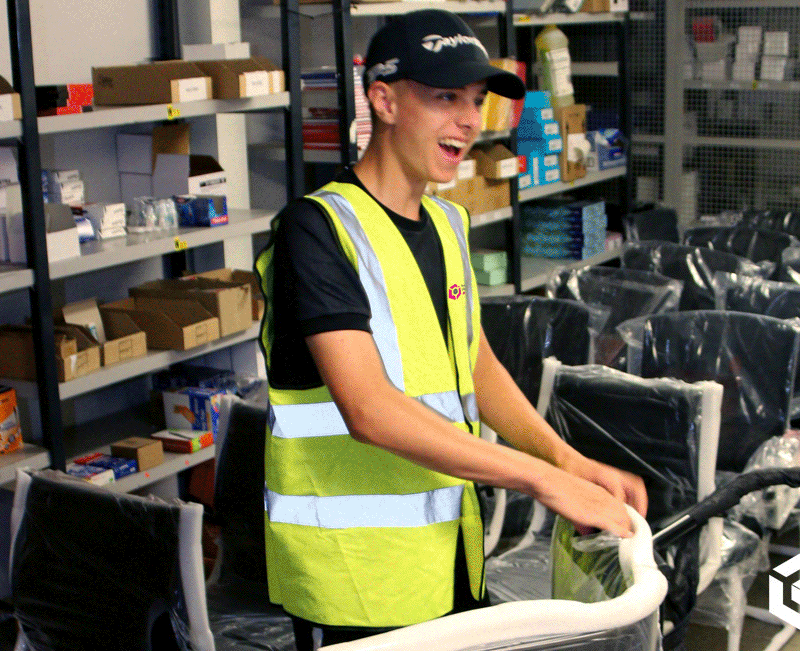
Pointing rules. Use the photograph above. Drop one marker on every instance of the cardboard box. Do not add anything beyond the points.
(492, 277)
(119, 338)
(192, 408)
(10, 107)
(603, 6)
(177, 174)
(495, 162)
(10, 428)
(488, 260)
(572, 120)
(137, 152)
(62, 233)
(172, 324)
(466, 169)
(230, 302)
(479, 194)
(159, 82)
(148, 453)
(235, 78)
(77, 354)
(184, 441)
(239, 277)
(212, 51)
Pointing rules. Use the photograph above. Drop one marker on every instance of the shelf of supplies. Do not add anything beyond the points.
(393, 8)
(491, 217)
(523, 20)
(555, 188)
(10, 129)
(739, 4)
(121, 115)
(13, 277)
(536, 271)
(744, 143)
(173, 464)
(154, 360)
(595, 69)
(101, 254)
(785, 86)
(28, 457)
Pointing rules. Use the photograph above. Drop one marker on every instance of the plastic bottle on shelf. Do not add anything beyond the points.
(555, 66)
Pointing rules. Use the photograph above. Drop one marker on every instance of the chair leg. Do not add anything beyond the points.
(737, 613)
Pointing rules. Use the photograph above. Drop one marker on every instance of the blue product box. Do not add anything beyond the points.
(92, 474)
(202, 210)
(608, 150)
(192, 408)
(121, 467)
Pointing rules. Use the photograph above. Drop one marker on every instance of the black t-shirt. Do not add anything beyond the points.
(316, 289)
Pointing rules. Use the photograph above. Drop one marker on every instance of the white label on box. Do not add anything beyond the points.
(256, 83)
(466, 169)
(551, 129)
(525, 181)
(547, 114)
(508, 167)
(776, 44)
(535, 170)
(551, 175)
(276, 81)
(551, 161)
(6, 108)
(192, 89)
(555, 144)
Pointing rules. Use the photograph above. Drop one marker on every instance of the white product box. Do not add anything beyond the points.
(8, 166)
(714, 71)
(62, 233)
(744, 70)
(776, 44)
(106, 215)
(68, 192)
(182, 174)
(215, 51)
(774, 68)
(748, 41)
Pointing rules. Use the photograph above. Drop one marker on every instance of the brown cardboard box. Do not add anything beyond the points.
(239, 276)
(230, 302)
(120, 339)
(595, 6)
(479, 194)
(10, 107)
(147, 452)
(169, 323)
(571, 120)
(234, 78)
(160, 82)
(495, 161)
(77, 353)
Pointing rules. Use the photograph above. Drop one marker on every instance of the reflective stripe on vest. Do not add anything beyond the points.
(350, 511)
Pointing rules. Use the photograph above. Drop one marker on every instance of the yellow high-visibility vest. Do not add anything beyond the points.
(355, 535)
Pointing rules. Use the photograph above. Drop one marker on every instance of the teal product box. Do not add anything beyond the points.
(540, 169)
(493, 277)
(192, 408)
(537, 113)
(488, 260)
(202, 210)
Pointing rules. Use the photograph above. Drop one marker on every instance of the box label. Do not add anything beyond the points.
(257, 82)
(555, 144)
(192, 89)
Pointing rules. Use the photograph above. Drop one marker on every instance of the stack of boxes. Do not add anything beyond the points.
(775, 64)
(539, 142)
(747, 53)
(491, 267)
(108, 219)
(564, 230)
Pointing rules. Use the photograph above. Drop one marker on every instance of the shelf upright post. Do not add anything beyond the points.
(30, 178)
(508, 48)
(343, 42)
(293, 119)
(168, 40)
(624, 89)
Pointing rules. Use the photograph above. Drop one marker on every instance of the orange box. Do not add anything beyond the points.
(10, 429)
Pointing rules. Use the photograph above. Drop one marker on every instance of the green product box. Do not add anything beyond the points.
(488, 260)
(493, 277)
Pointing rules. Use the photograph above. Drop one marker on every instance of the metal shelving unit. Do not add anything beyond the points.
(550, 189)
(580, 18)
(13, 277)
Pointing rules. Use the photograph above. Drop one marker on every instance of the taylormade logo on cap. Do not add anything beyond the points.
(382, 69)
(435, 43)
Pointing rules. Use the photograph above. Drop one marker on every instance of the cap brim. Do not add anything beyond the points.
(498, 81)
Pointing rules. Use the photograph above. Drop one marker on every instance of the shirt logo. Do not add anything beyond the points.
(382, 69)
(454, 292)
(434, 42)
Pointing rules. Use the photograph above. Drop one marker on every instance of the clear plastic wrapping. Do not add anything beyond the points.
(751, 242)
(694, 265)
(753, 356)
(524, 330)
(625, 293)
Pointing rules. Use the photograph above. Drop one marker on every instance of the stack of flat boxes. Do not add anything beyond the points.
(574, 230)
(491, 267)
(775, 64)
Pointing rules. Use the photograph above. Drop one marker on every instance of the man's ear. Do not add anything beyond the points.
(383, 99)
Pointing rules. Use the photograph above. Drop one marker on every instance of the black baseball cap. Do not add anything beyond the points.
(436, 48)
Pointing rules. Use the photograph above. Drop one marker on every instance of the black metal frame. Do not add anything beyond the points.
(293, 118)
(343, 47)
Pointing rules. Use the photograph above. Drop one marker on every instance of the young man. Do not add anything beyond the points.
(380, 373)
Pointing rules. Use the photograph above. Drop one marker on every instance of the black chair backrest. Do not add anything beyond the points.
(651, 224)
(239, 493)
(750, 242)
(524, 330)
(694, 265)
(754, 357)
(96, 570)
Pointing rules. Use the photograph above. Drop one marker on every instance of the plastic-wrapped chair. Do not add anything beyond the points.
(753, 243)
(789, 266)
(694, 265)
(769, 297)
(93, 569)
(626, 293)
(662, 429)
(523, 331)
(241, 616)
(651, 223)
(753, 356)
